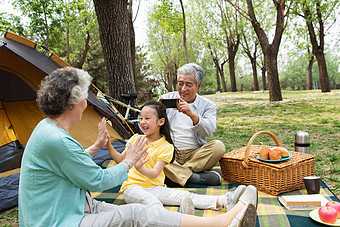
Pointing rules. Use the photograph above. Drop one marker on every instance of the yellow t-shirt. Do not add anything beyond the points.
(159, 150)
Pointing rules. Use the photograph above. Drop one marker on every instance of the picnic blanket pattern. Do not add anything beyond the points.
(270, 212)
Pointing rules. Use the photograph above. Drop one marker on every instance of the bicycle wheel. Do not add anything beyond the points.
(135, 126)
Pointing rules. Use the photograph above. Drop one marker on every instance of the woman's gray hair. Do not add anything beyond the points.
(192, 68)
(63, 88)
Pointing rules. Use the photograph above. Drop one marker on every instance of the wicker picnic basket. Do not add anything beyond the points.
(242, 166)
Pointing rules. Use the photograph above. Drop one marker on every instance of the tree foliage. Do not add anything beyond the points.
(169, 16)
(293, 77)
(45, 19)
(70, 29)
(165, 42)
(316, 13)
(146, 85)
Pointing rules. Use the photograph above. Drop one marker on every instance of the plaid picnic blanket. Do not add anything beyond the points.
(270, 212)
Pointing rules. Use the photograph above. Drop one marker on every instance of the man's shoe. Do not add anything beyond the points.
(246, 218)
(232, 197)
(250, 195)
(211, 178)
(187, 206)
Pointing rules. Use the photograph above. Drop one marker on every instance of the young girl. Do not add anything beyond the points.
(145, 183)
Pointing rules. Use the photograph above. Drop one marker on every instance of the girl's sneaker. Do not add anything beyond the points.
(232, 197)
(187, 206)
(250, 195)
(246, 218)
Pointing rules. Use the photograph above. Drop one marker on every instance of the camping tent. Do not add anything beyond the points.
(22, 66)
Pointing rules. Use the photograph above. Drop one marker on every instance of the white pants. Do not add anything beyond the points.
(159, 196)
(101, 214)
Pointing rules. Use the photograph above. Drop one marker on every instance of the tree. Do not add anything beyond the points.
(263, 73)
(310, 57)
(46, 19)
(81, 36)
(230, 25)
(165, 26)
(209, 37)
(132, 39)
(70, 31)
(297, 33)
(270, 50)
(251, 52)
(333, 71)
(294, 75)
(10, 22)
(145, 84)
(315, 13)
(184, 33)
(219, 68)
(114, 29)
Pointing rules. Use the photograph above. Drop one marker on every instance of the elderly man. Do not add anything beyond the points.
(191, 122)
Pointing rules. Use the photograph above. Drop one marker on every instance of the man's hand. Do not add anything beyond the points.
(184, 107)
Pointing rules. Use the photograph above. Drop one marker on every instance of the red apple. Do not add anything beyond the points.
(328, 214)
(335, 205)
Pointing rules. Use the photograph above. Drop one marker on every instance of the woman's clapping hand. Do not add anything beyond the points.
(134, 153)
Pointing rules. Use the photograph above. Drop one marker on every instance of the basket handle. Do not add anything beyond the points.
(246, 153)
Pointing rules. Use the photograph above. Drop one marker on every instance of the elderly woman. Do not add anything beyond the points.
(57, 172)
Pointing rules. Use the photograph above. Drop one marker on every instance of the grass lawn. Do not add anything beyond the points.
(241, 114)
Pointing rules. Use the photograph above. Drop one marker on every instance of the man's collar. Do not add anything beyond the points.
(195, 103)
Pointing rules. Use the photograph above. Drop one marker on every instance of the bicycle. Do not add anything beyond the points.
(130, 120)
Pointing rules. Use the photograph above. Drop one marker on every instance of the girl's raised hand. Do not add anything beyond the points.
(135, 152)
(142, 161)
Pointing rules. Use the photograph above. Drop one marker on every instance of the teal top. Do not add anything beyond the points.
(55, 174)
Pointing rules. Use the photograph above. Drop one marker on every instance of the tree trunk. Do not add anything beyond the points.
(218, 80)
(252, 58)
(67, 15)
(324, 80)
(273, 78)
(184, 33)
(318, 49)
(232, 50)
(309, 73)
(68, 43)
(221, 73)
(132, 41)
(255, 81)
(86, 49)
(113, 20)
(222, 76)
(264, 80)
(174, 76)
(170, 80)
(232, 73)
(219, 70)
(270, 51)
(47, 29)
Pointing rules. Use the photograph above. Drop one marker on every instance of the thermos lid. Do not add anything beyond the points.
(301, 137)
